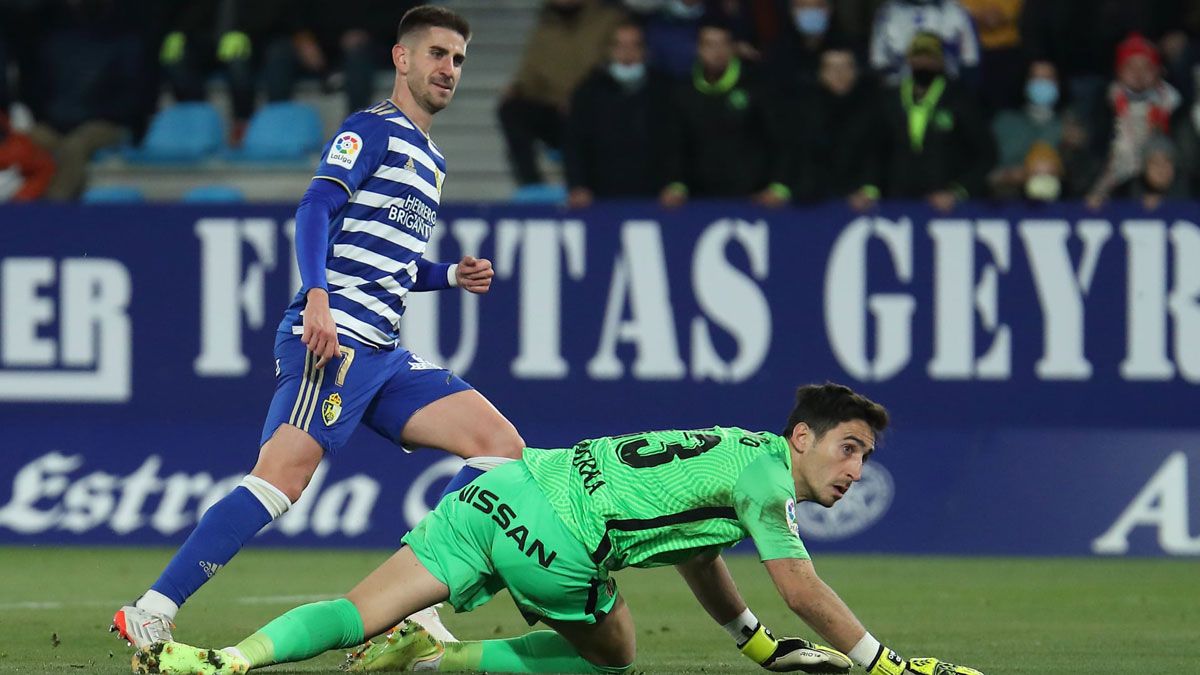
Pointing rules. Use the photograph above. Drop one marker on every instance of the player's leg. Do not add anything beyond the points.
(285, 465)
(607, 646)
(610, 644)
(424, 405)
(546, 570)
(395, 589)
(468, 425)
(313, 410)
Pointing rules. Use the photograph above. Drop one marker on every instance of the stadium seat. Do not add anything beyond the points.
(184, 132)
(112, 194)
(281, 132)
(540, 193)
(214, 193)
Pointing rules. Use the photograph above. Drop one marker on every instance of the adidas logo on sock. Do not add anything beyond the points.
(209, 568)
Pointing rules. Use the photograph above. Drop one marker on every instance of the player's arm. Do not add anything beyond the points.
(321, 201)
(351, 157)
(820, 607)
(709, 579)
(470, 274)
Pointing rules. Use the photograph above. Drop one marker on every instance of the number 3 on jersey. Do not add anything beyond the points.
(697, 443)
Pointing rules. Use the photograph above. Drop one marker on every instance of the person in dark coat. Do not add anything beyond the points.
(612, 137)
(930, 141)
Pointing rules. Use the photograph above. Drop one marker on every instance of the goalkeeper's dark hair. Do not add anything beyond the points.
(432, 16)
(824, 406)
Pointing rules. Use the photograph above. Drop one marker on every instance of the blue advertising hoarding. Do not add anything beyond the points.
(1040, 365)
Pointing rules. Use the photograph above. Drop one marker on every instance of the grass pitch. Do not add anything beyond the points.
(999, 615)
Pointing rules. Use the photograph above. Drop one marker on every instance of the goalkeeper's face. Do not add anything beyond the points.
(431, 65)
(825, 467)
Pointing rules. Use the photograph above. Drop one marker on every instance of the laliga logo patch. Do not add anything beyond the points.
(331, 409)
(790, 511)
(345, 149)
(866, 502)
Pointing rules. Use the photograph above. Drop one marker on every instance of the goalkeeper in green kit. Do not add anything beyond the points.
(550, 528)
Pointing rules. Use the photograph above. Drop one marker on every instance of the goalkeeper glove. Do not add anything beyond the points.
(888, 662)
(792, 654)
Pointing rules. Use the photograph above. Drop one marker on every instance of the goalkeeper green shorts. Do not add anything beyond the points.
(501, 532)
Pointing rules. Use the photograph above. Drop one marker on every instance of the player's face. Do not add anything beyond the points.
(432, 65)
(826, 467)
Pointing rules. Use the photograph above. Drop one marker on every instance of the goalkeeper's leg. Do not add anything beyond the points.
(577, 647)
(397, 588)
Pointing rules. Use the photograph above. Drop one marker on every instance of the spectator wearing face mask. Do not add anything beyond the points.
(1016, 131)
(898, 21)
(612, 136)
(793, 60)
(929, 141)
(1042, 174)
(1141, 105)
(569, 39)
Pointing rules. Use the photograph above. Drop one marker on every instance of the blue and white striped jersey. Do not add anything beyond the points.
(393, 173)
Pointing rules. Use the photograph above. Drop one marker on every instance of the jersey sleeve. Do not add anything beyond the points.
(355, 151)
(765, 502)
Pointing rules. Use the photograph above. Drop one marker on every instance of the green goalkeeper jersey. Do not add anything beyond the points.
(660, 497)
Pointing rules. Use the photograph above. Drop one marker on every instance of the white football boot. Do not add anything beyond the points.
(141, 628)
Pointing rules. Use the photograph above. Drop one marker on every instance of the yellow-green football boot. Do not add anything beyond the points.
(408, 647)
(176, 658)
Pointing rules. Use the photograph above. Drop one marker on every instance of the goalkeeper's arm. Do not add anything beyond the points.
(821, 608)
(709, 579)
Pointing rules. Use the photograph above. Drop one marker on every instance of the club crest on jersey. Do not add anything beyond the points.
(439, 177)
(790, 512)
(345, 150)
(331, 409)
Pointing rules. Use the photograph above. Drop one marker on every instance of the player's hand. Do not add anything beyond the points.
(320, 331)
(890, 663)
(928, 666)
(797, 654)
(474, 274)
(792, 654)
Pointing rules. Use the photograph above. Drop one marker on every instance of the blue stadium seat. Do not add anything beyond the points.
(184, 132)
(540, 193)
(281, 132)
(214, 193)
(112, 194)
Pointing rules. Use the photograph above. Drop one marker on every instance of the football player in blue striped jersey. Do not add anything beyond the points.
(361, 230)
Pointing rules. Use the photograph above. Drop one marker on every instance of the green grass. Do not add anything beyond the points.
(999, 615)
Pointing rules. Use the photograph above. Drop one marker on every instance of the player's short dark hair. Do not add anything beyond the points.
(824, 406)
(432, 16)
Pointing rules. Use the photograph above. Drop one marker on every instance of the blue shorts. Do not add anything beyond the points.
(382, 388)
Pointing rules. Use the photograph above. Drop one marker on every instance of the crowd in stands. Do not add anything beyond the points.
(89, 74)
(802, 101)
(776, 101)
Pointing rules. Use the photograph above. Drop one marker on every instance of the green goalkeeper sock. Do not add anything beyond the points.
(542, 651)
(304, 632)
